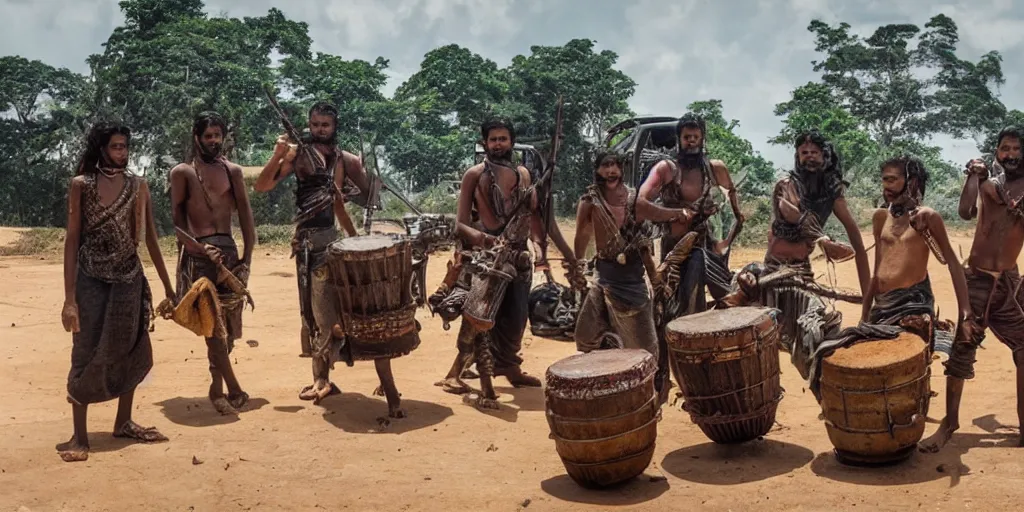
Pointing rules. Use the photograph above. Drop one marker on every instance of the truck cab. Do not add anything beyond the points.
(642, 141)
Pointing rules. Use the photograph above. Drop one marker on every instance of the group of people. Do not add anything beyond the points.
(109, 306)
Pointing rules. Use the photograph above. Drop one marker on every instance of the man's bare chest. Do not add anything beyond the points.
(688, 186)
(211, 186)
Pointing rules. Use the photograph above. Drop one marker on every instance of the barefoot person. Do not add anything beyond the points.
(617, 311)
(993, 281)
(107, 301)
(801, 205)
(494, 188)
(205, 193)
(899, 295)
(685, 187)
(319, 201)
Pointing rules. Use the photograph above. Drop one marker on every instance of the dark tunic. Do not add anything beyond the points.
(112, 353)
(315, 194)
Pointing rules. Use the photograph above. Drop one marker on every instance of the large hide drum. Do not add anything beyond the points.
(874, 397)
(726, 363)
(372, 275)
(603, 414)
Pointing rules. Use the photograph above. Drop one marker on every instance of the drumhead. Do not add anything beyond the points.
(600, 373)
(874, 354)
(718, 320)
(364, 243)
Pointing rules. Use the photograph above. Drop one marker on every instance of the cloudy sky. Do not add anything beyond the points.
(748, 53)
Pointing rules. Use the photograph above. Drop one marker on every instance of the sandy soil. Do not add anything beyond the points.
(288, 454)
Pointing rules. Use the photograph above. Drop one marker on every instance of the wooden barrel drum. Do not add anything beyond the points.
(485, 296)
(603, 414)
(874, 397)
(372, 275)
(726, 363)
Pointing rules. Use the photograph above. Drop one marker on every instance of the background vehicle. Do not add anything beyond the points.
(643, 141)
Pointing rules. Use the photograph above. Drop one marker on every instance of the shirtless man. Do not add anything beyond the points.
(801, 205)
(320, 201)
(107, 299)
(205, 193)
(901, 253)
(899, 295)
(993, 281)
(617, 312)
(493, 188)
(685, 187)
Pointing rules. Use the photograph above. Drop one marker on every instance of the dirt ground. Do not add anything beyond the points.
(286, 454)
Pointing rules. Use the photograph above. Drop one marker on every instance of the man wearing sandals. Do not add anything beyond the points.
(108, 305)
(205, 193)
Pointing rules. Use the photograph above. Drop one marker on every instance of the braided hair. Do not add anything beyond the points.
(96, 141)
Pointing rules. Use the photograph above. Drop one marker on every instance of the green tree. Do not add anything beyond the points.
(756, 173)
(988, 143)
(170, 61)
(884, 81)
(594, 93)
(454, 81)
(40, 143)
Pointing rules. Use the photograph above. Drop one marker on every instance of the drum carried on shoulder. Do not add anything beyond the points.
(372, 275)
(874, 397)
(603, 413)
(726, 363)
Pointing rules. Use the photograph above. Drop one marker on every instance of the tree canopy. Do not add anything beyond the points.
(888, 91)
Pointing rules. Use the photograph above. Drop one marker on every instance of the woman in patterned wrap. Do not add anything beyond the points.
(108, 305)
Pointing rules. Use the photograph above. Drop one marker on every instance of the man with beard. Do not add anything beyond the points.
(617, 312)
(899, 296)
(319, 200)
(205, 193)
(993, 281)
(685, 188)
(801, 205)
(494, 188)
(107, 301)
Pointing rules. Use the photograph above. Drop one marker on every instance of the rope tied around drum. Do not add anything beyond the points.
(892, 426)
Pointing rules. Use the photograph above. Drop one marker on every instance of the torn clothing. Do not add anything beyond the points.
(607, 322)
(818, 193)
(112, 353)
(806, 320)
(703, 269)
(315, 193)
(309, 248)
(191, 267)
(996, 299)
(884, 323)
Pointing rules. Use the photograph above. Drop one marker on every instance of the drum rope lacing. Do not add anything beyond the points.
(892, 426)
(762, 339)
